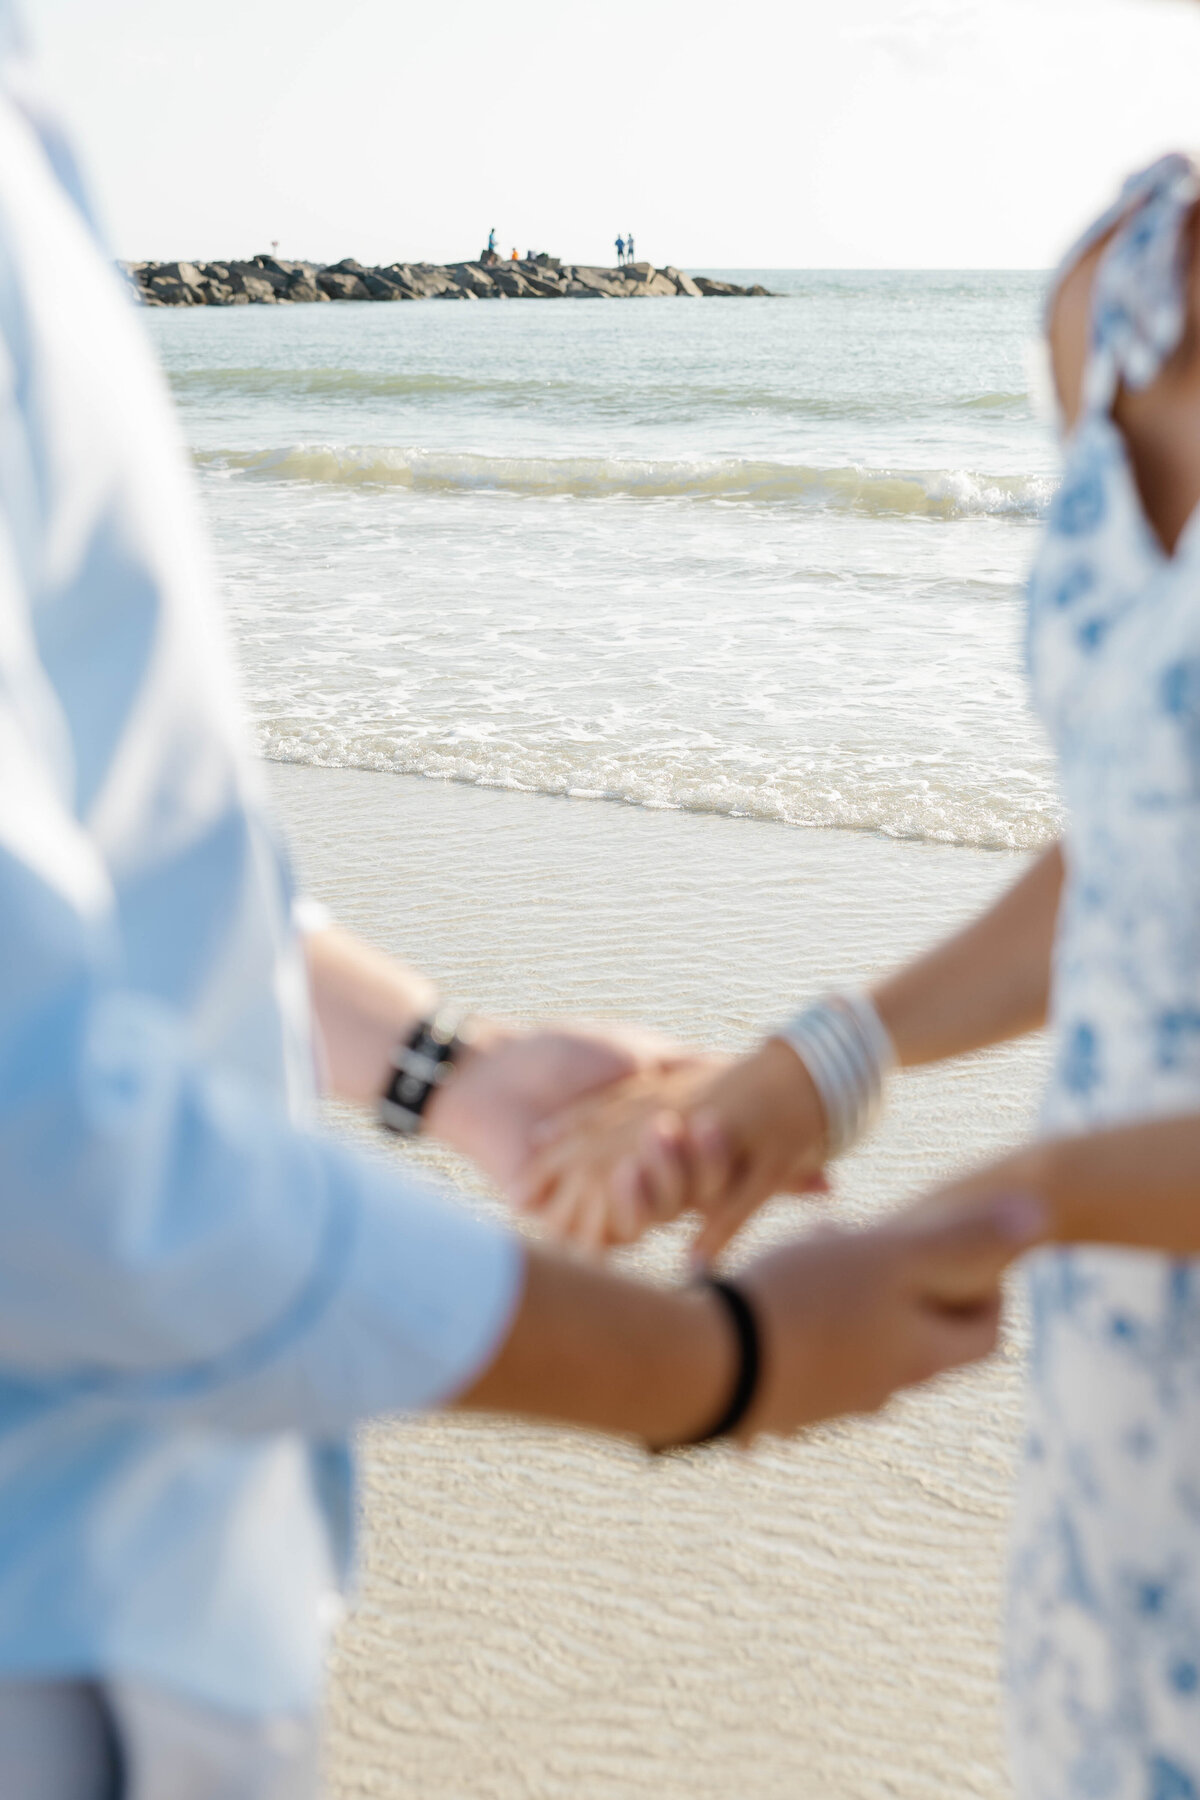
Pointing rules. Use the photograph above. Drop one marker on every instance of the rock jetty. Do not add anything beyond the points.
(267, 281)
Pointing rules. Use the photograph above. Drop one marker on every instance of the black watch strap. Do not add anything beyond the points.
(420, 1066)
(749, 1371)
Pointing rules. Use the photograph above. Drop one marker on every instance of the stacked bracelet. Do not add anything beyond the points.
(844, 1045)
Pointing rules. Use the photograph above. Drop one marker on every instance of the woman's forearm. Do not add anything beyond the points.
(1137, 1185)
(989, 982)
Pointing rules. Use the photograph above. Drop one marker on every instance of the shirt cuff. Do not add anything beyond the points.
(427, 1295)
(309, 916)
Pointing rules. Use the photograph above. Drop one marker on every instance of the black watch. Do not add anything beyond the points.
(420, 1066)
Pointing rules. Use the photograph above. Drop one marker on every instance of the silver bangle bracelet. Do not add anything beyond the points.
(844, 1045)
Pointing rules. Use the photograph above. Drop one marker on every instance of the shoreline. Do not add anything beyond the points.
(599, 797)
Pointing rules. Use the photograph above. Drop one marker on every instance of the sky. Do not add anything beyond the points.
(766, 134)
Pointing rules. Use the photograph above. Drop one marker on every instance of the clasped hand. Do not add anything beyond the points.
(708, 1135)
(643, 1132)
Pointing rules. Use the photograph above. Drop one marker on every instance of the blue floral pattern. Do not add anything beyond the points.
(1104, 1615)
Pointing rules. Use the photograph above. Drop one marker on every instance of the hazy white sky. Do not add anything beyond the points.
(771, 133)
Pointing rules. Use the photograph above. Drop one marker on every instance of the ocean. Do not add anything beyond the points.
(754, 557)
(702, 621)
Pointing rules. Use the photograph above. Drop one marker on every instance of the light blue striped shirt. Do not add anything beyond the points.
(199, 1295)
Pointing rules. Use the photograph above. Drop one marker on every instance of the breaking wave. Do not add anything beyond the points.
(1019, 810)
(934, 494)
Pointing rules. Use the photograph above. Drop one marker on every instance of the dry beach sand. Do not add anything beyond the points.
(544, 1615)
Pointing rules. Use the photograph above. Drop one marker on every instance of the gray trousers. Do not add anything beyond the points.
(126, 1740)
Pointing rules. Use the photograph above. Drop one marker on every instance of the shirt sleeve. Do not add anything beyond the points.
(169, 1239)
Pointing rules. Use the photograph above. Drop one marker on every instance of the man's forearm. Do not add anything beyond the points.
(365, 1004)
(988, 983)
(594, 1348)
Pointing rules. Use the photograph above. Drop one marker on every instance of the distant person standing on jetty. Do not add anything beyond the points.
(200, 1293)
(492, 241)
(629, 247)
(620, 252)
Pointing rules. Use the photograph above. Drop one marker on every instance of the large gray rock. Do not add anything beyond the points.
(260, 286)
(471, 278)
(538, 284)
(601, 281)
(657, 284)
(380, 288)
(683, 283)
(169, 292)
(401, 277)
(725, 289)
(271, 266)
(257, 272)
(510, 281)
(184, 272)
(305, 292)
(258, 290)
(340, 285)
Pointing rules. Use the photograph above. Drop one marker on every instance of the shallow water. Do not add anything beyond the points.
(754, 557)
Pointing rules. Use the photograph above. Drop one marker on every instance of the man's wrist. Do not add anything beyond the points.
(709, 1344)
(448, 1115)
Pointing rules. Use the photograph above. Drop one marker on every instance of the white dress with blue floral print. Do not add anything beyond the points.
(1104, 1617)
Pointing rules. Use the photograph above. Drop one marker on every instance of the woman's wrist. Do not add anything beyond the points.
(789, 1094)
(1032, 1169)
(846, 1051)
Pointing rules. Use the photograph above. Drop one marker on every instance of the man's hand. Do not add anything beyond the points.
(511, 1083)
(850, 1317)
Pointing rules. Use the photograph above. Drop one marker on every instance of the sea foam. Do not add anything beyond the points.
(917, 493)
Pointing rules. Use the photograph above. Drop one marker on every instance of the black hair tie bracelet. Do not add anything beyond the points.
(745, 1385)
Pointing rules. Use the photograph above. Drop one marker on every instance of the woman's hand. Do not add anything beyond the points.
(612, 1166)
(711, 1133)
(757, 1129)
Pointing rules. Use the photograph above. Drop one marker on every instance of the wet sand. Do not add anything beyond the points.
(541, 1614)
